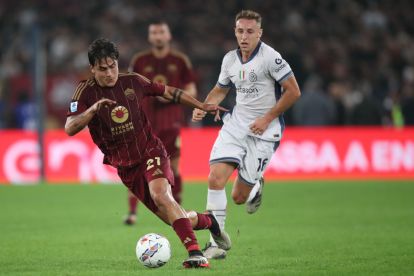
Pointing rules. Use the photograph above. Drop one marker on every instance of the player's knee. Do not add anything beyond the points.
(216, 181)
(238, 198)
(161, 199)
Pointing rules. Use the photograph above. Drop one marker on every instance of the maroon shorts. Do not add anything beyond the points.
(171, 139)
(137, 178)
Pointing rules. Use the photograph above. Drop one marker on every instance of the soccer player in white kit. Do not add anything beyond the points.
(266, 87)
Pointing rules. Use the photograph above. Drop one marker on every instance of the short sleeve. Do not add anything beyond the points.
(187, 75)
(150, 88)
(78, 103)
(224, 80)
(278, 68)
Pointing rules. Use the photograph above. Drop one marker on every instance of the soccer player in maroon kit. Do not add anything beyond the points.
(109, 103)
(161, 64)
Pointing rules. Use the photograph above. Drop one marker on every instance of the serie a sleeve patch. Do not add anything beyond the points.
(73, 106)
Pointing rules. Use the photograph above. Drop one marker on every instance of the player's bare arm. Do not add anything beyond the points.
(76, 123)
(190, 89)
(216, 96)
(179, 96)
(290, 95)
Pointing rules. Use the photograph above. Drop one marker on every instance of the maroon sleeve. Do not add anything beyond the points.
(78, 103)
(151, 88)
(188, 75)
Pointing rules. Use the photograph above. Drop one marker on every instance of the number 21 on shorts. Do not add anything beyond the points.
(150, 162)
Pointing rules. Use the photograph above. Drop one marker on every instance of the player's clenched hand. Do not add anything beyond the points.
(214, 109)
(198, 115)
(260, 125)
(102, 102)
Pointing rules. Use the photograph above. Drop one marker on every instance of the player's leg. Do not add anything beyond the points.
(217, 206)
(131, 217)
(248, 187)
(171, 139)
(225, 157)
(170, 211)
(157, 196)
(241, 190)
(173, 214)
(178, 185)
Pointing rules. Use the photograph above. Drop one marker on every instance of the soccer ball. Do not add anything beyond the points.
(153, 250)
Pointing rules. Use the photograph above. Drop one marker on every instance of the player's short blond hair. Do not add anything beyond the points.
(249, 14)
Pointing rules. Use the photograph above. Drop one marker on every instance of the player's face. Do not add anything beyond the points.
(106, 72)
(248, 34)
(159, 35)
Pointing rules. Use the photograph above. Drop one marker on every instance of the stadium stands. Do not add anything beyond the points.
(356, 57)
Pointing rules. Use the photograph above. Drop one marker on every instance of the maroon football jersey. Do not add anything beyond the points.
(174, 70)
(123, 132)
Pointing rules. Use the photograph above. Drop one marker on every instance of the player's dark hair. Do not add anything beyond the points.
(158, 21)
(102, 48)
(249, 14)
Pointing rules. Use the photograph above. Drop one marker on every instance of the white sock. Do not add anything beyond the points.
(253, 191)
(217, 203)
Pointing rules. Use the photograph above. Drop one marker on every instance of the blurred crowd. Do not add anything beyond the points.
(354, 60)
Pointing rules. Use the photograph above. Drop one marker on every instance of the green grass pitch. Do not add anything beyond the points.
(302, 228)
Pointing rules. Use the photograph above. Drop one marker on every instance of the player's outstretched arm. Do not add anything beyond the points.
(216, 96)
(189, 89)
(176, 95)
(76, 123)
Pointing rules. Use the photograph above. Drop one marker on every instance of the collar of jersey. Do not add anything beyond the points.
(251, 56)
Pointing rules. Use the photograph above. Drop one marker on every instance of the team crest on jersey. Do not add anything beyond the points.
(130, 94)
(160, 79)
(73, 106)
(119, 114)
(252, 76)
(172, 67)
(148, 69)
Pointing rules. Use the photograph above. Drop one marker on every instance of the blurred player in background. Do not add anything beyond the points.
(109, 103)
(161, 64)
(266, 87)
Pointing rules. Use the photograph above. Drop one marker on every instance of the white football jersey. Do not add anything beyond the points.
(257, 83)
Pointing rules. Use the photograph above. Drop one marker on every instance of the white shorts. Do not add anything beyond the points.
(250, 153)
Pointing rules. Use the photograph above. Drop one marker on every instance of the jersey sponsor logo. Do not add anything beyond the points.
(278, 61)
(130, 94)
(280, 67)
(123, 128)
(172, 68)
(148, 69)
(119, 114)
(160, 79)
(252, 76)
(73, 106)
(251, 92)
